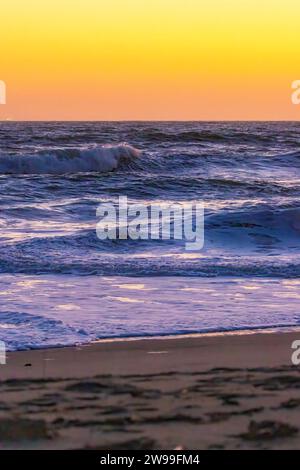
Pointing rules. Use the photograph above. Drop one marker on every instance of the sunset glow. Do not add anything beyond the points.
(164, 59)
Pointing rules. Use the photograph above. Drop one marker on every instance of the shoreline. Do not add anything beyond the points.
(167, 336)
(149, 307)
(237, 332)
(251, 345)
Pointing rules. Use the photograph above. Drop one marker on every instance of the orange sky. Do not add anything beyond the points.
(158, 59)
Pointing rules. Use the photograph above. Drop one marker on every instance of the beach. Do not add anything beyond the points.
(221, 391)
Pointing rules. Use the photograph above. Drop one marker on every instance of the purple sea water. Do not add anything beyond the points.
(59, 284)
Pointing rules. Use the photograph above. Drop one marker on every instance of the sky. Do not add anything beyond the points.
(149, 60)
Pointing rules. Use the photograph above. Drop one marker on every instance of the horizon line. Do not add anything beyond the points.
(149, 120)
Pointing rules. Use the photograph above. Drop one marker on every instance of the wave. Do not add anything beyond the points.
(24, 330)
(272, 220)
(251, 241)
(101, 159)
(156, 266)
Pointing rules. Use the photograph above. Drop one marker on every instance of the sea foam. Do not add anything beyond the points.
(100, 159)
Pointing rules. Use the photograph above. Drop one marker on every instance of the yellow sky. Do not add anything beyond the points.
(149, 59)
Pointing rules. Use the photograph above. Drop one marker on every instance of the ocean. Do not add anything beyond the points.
(61, 285)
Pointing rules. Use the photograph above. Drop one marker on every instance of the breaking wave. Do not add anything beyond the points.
(101, 159)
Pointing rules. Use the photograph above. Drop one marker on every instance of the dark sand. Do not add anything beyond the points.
(208, 392)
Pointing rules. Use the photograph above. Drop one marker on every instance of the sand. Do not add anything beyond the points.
(231, 391)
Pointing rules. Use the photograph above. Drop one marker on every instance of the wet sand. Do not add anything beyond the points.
(233, 391)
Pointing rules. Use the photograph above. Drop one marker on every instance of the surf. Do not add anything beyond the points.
(100, 159)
